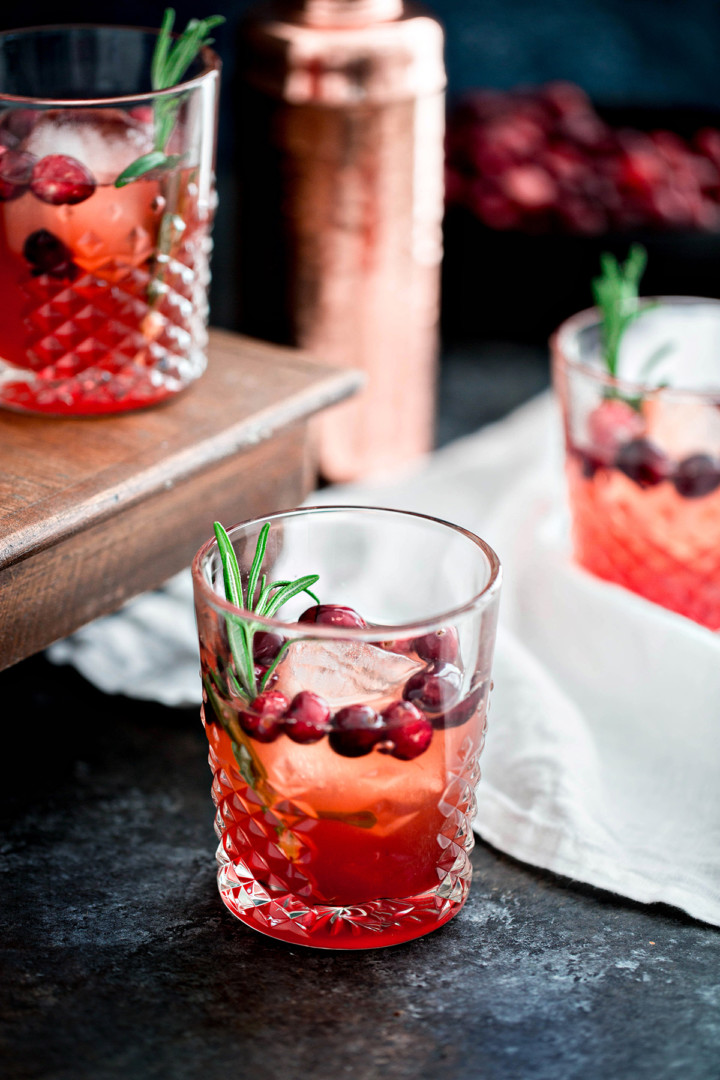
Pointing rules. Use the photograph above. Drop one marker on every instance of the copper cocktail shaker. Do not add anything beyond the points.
(340, 240)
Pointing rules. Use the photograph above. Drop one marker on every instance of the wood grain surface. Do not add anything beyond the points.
(94, 511)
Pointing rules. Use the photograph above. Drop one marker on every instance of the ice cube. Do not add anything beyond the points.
(106, 141)
(344, 672)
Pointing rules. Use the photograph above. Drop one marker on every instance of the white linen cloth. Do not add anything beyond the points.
(602, 760)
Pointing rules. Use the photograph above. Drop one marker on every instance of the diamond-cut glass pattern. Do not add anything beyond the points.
(124, 324)
(268, 849)
(650, 540)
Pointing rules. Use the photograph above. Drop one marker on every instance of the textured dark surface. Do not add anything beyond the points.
(120, 962)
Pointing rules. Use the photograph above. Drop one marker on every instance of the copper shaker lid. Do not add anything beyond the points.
(324, 52)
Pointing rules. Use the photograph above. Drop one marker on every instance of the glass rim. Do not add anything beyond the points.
(211, 61)
(479, 601)
(582, 320)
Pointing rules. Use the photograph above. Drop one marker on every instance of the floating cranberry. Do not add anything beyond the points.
(266, 646)
(48, 255)
(308, 718)
(407, 729)
(696, 476)
(642, 462)
(263, 721)
(60, 180)
(333, 615)
(435, 688)
(16, 125)
(261, 672)
(440, 644)
(590, 464)
(15, 170)
(612, 423)
(461, 713)
(356, 730)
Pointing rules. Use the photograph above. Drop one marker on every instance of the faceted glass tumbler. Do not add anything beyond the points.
(643, 452)
(104, 286)
(344, 813)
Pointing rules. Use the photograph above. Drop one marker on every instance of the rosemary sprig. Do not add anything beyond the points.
(169, 63)
(616, 295)
(260, 597)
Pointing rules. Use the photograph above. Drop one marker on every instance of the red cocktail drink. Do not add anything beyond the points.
(103, 276)
(345, 788)
(643, 457)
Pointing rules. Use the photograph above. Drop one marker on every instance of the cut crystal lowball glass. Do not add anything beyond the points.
(104, 287)
(345, 789)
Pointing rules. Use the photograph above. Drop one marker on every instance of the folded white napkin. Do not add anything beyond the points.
(602, 760)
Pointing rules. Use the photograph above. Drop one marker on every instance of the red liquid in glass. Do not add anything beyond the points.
(331, 851)
(119, 325)
(652, 540)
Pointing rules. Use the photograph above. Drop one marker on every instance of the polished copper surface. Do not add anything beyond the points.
(341, 238)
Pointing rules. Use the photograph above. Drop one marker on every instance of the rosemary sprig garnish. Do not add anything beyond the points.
(616, 295)
(169, 63)
(261, 597)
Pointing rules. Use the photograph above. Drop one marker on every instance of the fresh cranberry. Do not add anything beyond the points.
(263, 721)
(407, 729)
(143, 114)
(612, 423)
(642, 462)
(48, 255)
(441, 644)
(356, 729)
(460, 713)
(696, 476)
(261, 672)
(15, 170)
(16, 125)
(333, 615)
(307, 719)
(266, 646)
(60, 180)
(589, 463)
(398, 645)
(435, 688)
(529, 186)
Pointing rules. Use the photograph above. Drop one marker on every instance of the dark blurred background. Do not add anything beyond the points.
(519, 258)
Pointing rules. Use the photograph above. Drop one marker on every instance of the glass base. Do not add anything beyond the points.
(99, 391)
(371, 925)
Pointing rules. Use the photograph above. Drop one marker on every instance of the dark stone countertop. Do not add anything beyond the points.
(120, 962)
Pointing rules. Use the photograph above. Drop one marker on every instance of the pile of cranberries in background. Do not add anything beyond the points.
(543, 160)
(403, 729)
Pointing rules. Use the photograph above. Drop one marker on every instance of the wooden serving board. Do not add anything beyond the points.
(94, 511)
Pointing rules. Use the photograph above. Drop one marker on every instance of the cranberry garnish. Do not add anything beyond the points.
(264, 720)
(60, 180)
(356, 729)
(460, 713)
(48, 255)
(439, 645)
(15, 170)
(333, 615)
(266, 646)
(308, 717)
(611, 424)
(16, 125)
(696, 476)
(589, 463)
(435, 688)
(261, 672)
(408, 730)
(642, 462)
